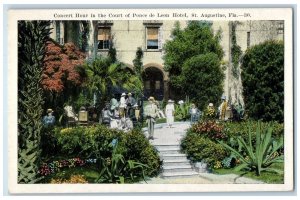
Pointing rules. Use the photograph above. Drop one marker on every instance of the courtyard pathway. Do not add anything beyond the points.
(176, 168)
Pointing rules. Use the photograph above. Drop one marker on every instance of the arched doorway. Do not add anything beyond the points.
(153, 83)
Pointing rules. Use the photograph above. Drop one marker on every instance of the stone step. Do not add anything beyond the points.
(175, 159)
(167, 147)
(178, 168)
(175, 162)
(172, 154)
(169, 152)
(179, 174)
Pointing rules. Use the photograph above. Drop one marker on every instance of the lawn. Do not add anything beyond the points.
(267, 177)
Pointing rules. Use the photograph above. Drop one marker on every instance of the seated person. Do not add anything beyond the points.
(49, 119)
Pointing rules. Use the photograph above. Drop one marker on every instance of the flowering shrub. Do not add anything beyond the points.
(73, 179)
(60, 67)
(209, 129)
(55, 166)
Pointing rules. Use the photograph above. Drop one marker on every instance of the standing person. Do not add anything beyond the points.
(151, 112)
(130, 103)
(170, 109)
(210, 111)
(136, 112)
(194, 112)
(114, 106)
(122, 105)
(222, 109)
(160, 112)
(49, 119)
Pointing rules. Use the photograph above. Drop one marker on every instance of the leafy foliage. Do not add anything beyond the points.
(134, 150)
(200, 148)
(236, 51)
(263, 81)
(104, 75)
(116, 169)
(61, 67)
(209, 129)
(32, 36)
(183, 55)
(182, 112)
(202, 79)
(261, 155)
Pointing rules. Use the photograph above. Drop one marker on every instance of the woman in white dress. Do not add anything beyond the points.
(170, 109)
(122, 105)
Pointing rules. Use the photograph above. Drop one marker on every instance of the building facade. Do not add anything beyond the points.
(96, 37)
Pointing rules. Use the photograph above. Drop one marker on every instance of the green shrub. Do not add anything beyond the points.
(199, 148)
(263, 81)
(96, 142)
(233, 129)
(137, 146)
(118, 169)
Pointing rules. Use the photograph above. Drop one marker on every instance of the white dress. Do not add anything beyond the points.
(169, 113)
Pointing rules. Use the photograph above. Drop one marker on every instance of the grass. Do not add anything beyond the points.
(267, 177)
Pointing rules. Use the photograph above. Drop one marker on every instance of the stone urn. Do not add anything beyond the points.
(200, 167)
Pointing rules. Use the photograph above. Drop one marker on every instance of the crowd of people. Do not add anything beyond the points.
(124, 113)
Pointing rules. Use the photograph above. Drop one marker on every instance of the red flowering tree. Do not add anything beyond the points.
(63, 75)
(62, 67)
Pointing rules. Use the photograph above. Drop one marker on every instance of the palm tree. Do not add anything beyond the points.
(104, 75)
(32, 37)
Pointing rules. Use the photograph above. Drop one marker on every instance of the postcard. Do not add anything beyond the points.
(150, 100)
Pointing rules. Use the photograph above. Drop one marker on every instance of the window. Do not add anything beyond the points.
(104, 37)
(57, 27)
(147, 85)
(248, 39)
(280, 28)
(59, 34)
(152, 37)
(157, 85)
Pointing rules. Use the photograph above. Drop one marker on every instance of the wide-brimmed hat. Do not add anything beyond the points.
(210, 104)
(49, 110)
(135, 105)
(82, 108)
(123, 94)
(151, 99)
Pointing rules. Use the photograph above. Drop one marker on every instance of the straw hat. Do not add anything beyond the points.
(49, 110)
(151, 99)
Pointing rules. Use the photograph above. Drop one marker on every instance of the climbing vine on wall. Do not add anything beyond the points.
(83, 40)
(236, 51)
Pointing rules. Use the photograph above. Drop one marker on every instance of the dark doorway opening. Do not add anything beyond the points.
(153, 83)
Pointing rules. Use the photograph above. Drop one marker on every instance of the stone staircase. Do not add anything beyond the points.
(175, 164)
